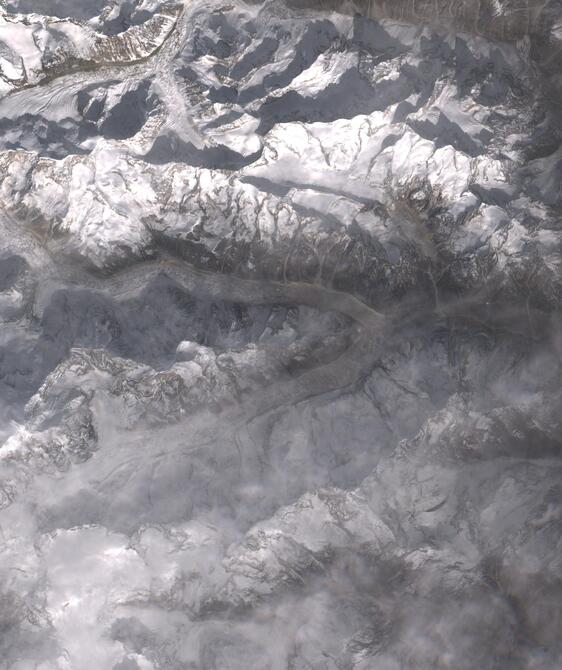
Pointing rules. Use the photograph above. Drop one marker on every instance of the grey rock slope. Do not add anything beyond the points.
(280, 349)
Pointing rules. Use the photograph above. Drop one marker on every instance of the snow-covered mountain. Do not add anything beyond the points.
(280, 351)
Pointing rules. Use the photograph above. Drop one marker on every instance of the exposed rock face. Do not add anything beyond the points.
(500, 19)
(280, 356)
(38, 47)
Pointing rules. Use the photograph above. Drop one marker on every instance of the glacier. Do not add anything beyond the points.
(280, 355)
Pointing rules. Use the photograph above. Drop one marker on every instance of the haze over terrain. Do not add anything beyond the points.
(280, 343)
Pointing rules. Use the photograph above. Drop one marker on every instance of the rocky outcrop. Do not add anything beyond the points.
(35, 48)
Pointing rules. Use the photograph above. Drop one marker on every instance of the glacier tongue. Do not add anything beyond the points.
(280, 350)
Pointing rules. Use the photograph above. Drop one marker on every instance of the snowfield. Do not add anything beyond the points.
(280, 382)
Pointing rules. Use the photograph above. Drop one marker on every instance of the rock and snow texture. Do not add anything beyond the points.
(280, 335)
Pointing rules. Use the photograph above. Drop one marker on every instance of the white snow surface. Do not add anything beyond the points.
(150, 516)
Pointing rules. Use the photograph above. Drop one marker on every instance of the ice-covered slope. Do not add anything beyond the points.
(35, 47)
(280, 349)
